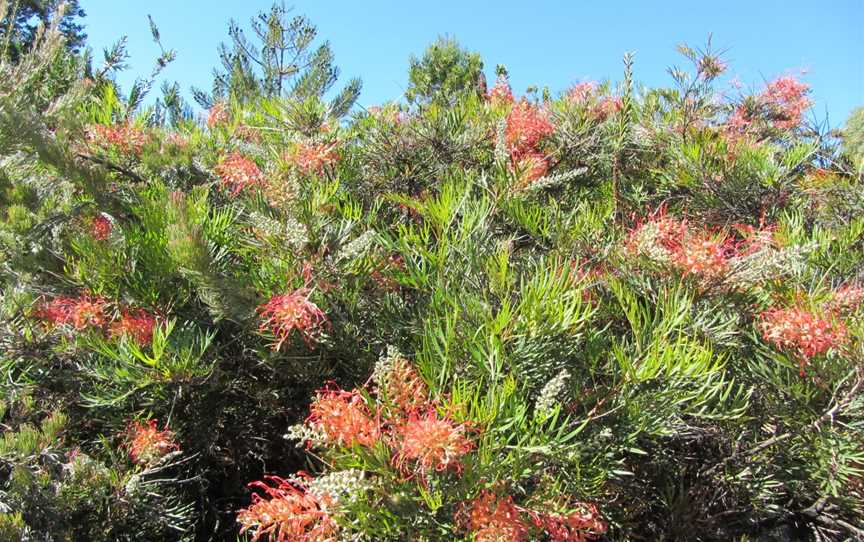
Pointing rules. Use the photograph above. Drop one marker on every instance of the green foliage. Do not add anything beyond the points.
(445, 72)
(655, 334)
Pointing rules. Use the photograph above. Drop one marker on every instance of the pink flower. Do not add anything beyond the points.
(284, 314)
(137, 324)
(148, 444)
(101, 227)
(343, 418)
(526, 126)
(432, 442)
(581, 92)
(81, 313)
(238, 172)
(218, 114)
(801, 331)
(288, 513)
(314, 157)
(123, 136)
(501, 93)
(496, 519)
(578, 526)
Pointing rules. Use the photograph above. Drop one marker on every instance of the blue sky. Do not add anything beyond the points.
(540, 42)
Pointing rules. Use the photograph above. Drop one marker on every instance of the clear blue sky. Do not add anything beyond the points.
(541, 42)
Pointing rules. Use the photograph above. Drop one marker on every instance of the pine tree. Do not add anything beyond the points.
(280, 60)
(444, 72)
(21, 20)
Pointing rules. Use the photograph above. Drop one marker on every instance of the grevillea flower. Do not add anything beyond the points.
(501, 93)
(218, 114)
(496, 519)
(578, 526)
(530, 167)
(147, 444)
(782, 103)
(800, 331)
(710, 66)
(238, 172)
(284, 314)
(287, 513)
(123, 136)
(703, 256)
(581, 92)
(81, 313)
(526, 126)
(397, 380)
(657, 238)
(136, 324)
(343, 418)
(313, 157)
(432, 442)
(847, 298)
(101, 227)
(608, 106)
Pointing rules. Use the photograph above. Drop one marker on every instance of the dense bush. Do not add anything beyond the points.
(621, 313)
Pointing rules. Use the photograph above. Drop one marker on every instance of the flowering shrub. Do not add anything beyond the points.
(604, 314)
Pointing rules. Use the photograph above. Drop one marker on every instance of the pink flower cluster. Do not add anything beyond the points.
(91, 312)
(239, 172)
(500, 93)
(123, 136)
(782, 103)
(220, 113)
(289, 513)
(802, 332)
(526, 126)
(101, 227)
(313, 157)
(284, 314)
(498, 519)
(147, 444)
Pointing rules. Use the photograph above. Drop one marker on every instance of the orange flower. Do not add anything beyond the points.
(147, 444)
(288, 513)
(403, 387)
(801, 331)
(101, 227)
(238, 172)
(708, 258)
(501, 92)
(526, 126)
(85, 311)
(494, 519)
(137, 324)
(579, 526)
(124, 137)
(312, 157)
(218, 114)
(285, 313)
(343, 418)
(581, 92)
(432, 442)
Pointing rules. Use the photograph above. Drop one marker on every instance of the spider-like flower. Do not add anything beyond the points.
(101, 227)
(579, 526)
(343, 418)
(501, 93)
(432, 442)
(136, 324)
(218, 114)
(581, 92)
(238, 172)
(313, 157)
(496, 519)
(801, 332)
(80, 313)
(288, 513)
(782, 103)
(147, 444)
(284, 314)
(530, 167)
(608, 106)
(123, 136)
(658, 238)
(847, 298)
(526, 126)
(703, 256)
(399, 382)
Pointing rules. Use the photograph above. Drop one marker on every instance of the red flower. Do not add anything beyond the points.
(432, 442)
(699, 255)
(531, 166)
(101, 227)
(501, 92)
(526, 126)
(404, 388)
(137, 324)
(608, 106)
(801, 331)
(581, 92)
(124, 137)
(85, 311)
(578, 526)
(494, 519)
(285, 313)
(782, 103)
(238, 172)
(288, 513)
(148, 444)
(218, 114)
(343, 418)
(847, 298)
(313, 157)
